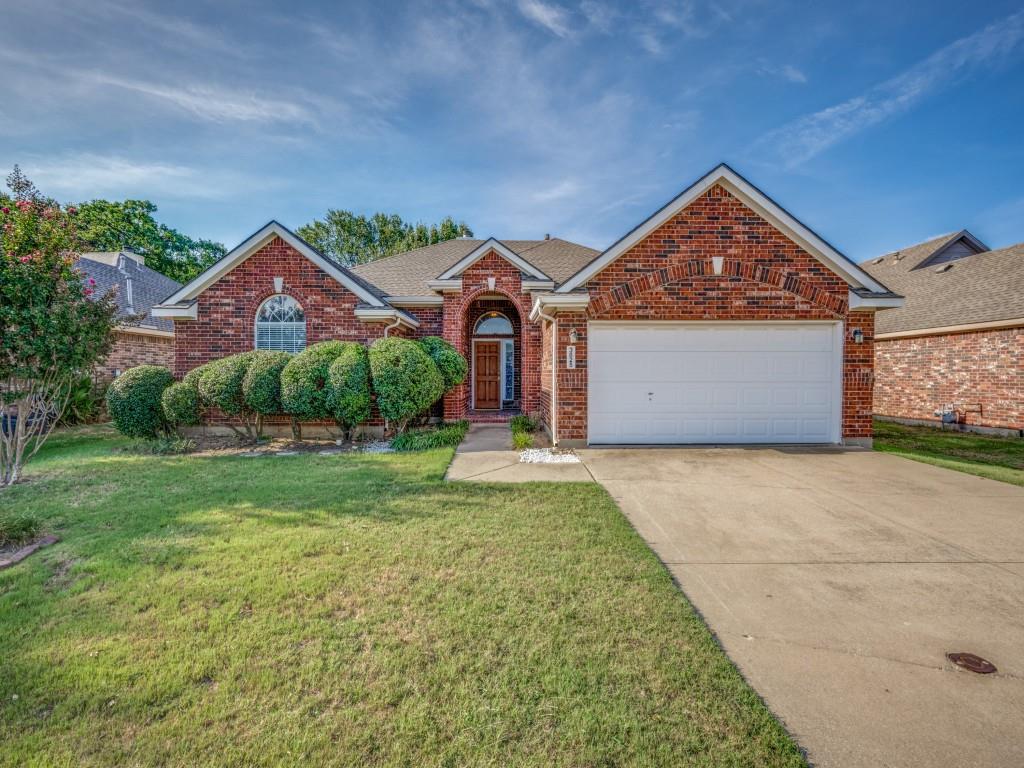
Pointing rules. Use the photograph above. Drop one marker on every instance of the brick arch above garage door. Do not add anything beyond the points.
(744, 290)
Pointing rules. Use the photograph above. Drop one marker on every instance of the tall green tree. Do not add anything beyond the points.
(105, 225)
(355, 239)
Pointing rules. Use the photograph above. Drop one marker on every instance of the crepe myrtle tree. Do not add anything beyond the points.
(53, 328)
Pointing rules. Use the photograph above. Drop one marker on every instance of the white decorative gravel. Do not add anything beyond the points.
(377, 446)
(547, 456)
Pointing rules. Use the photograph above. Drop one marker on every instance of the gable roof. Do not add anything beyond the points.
(917, 256)
(760, 203)
(364, 290)
(408, 273)
(986, 287)
(113, 269)
(491, 244)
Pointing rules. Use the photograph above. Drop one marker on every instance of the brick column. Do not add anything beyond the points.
(858, 377)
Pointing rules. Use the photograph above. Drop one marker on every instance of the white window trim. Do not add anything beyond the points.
(256, 325)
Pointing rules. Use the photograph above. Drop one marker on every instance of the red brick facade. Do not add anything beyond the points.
(133, 348)
(670, 276)
(227, 309)
(916, 376)
(462, 308)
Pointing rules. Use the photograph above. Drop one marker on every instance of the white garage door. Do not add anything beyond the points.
(714, 382)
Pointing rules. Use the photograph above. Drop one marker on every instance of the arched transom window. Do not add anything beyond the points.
(281, 325)
(493, 324)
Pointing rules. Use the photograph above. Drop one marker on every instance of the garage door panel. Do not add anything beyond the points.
(713, 383)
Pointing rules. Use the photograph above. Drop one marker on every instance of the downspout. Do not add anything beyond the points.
(398, 321)
(554, 374)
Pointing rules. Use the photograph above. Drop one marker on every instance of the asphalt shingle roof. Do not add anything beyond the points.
(981, 288)
(149, 287)
(407, 274)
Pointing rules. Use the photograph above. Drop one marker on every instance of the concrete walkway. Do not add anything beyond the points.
(486, 455)
(838, 581)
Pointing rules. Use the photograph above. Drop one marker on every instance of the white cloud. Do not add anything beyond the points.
(87, 175)
(215, 103)
(598, 14)
(560, 191)
(812, 134)
(552, 17)
(786, 71)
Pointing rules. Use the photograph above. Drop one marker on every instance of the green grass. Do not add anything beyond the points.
(354, 610)
(997, 458)
(17, 527)
(441, 436)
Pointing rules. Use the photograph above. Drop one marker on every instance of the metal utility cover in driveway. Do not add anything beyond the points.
(838, 581)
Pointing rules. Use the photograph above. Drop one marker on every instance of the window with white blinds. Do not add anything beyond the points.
(281, 325)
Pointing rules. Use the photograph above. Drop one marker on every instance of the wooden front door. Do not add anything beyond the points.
(487, 374)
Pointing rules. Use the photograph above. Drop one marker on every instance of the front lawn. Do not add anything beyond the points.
(353, 609)
(998, 458)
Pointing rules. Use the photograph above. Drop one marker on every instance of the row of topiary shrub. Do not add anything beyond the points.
(330, 381)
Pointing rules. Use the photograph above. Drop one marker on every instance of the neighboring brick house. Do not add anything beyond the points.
(720, 319)
(957, 344)
(139, 338)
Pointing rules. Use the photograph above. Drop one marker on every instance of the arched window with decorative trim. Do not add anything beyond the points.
(493, 324)
(281, 324)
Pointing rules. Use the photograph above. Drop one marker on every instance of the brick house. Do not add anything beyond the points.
(719, 319)
(957, 345)
(139, 338)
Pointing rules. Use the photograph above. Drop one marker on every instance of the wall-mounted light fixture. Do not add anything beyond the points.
(858, 336)
(573, 336)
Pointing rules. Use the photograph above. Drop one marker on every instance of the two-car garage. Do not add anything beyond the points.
(714, 382)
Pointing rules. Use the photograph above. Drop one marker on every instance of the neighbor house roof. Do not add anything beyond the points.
(408, 274)
(985, 287)
(138, 286)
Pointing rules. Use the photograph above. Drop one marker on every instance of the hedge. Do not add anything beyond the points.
(405, 378)
(180, 404)
(304, 381)
(220, 383)
(134, 401)
(261, 385)
(348, 386)
(449, 362)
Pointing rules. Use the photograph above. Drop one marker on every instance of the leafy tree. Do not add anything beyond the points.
(355, 239)
(405, 378)
(52, 329)
(105, 225)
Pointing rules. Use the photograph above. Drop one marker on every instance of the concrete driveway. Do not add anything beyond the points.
(837, 581)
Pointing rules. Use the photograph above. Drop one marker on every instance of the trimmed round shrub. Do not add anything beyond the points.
(348, 385)
(192, 377)
(304, 381)
(133, 399)
(405, 379)
(261, 386)
(449, 362)
(180, 403)
(220, 383)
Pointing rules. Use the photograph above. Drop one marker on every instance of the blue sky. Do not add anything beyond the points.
(878, 124)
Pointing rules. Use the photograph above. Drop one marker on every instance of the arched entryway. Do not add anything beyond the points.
(494, 342)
